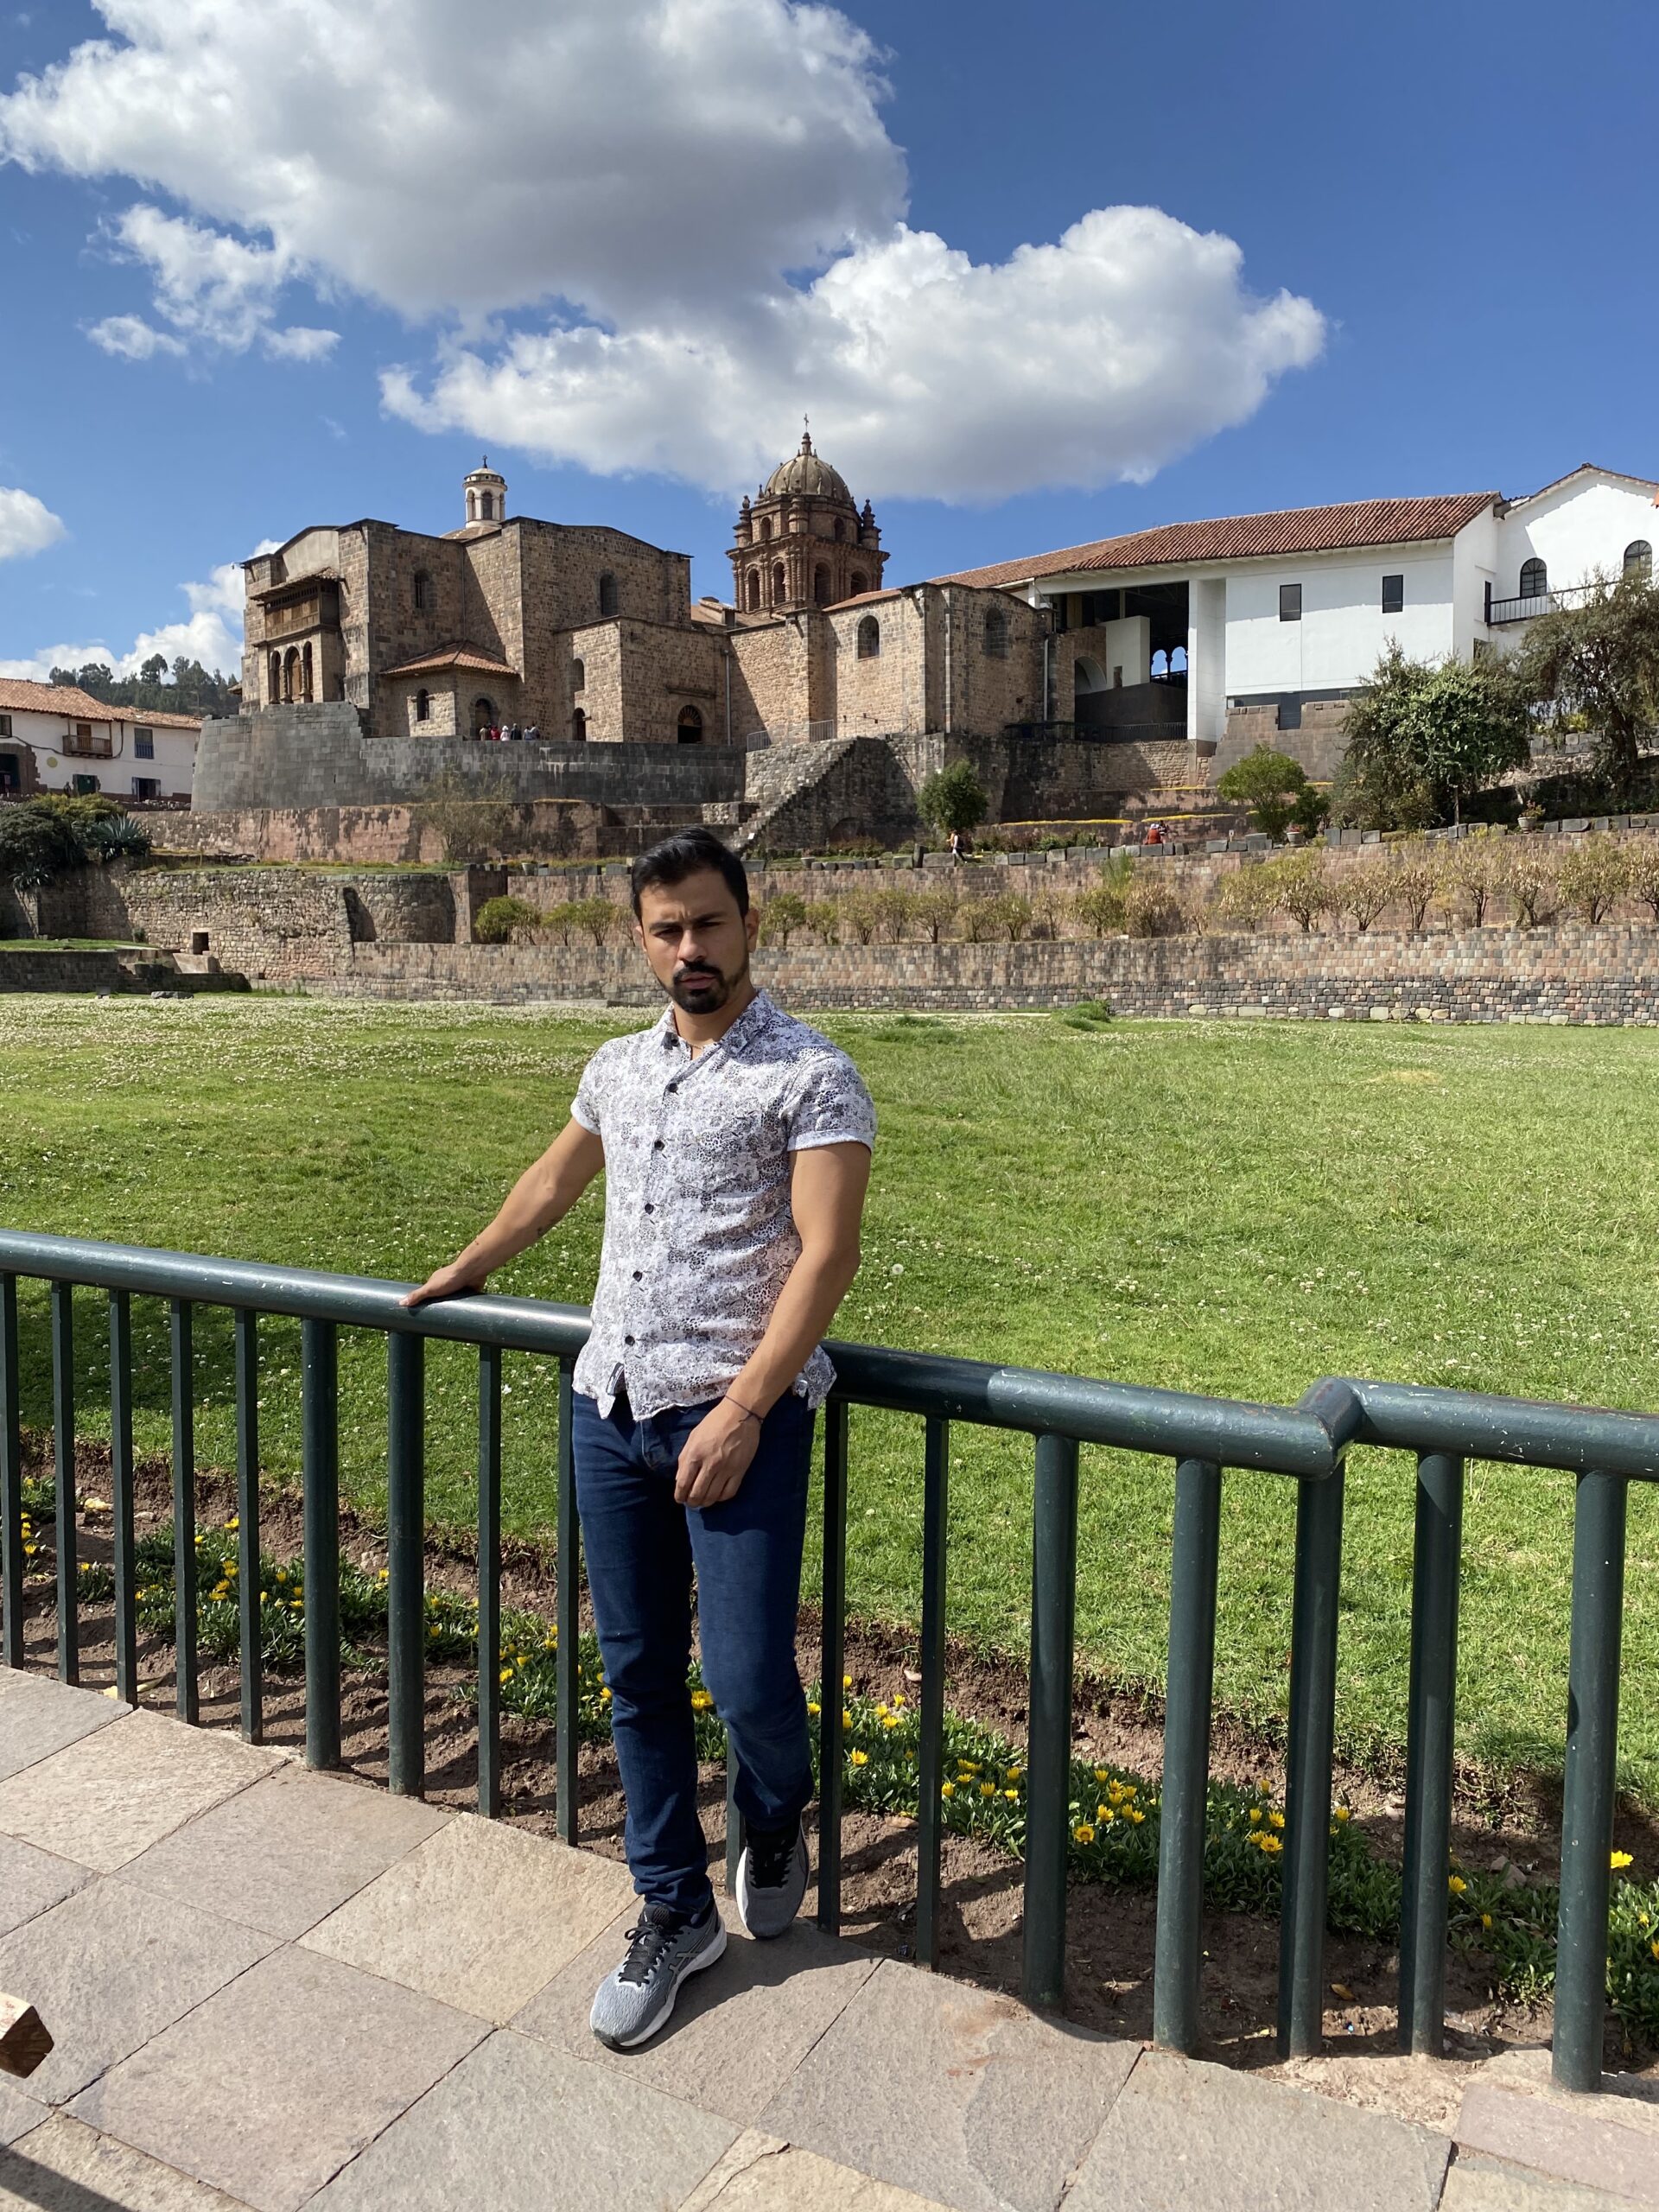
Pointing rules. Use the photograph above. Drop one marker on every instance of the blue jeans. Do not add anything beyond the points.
(640, 1549)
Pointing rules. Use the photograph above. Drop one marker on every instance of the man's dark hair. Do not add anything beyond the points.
(688, 852)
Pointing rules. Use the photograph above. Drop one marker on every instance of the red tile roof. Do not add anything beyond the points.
(1240, 537)
(19, 696)
(455, 656)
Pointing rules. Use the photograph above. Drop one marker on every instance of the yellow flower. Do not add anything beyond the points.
(1102, 1811)
(881, 1710)
(810, 1706)
(1083, 1832)
(1102, 1774)
(1456, 1884)
(897, 1697)
(1012, 1796)
(969, 1766)
(846, 1682)
(859, 1758)
(235, 1521)
(1654, 1948)
(604, 1697)
(947, 1789)
(506, 1674)
(846, 1718)
(890, 1720)
(988, 1790)
(1617, 1859)
(1255, 1816)
(1485, 1919)
(1012, 1774)
(1133, 1812)
(1276, 1819)
(1341, 1814)
(1272, 1846)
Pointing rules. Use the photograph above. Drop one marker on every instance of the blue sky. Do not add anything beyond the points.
(620, 274)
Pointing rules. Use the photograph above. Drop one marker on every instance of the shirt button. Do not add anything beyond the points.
(658, 1146)
(648, 1207)
(673, 1087)
(627, 1340)
(638, 1275)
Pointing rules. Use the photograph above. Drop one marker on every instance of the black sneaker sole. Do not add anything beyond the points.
(703, 1960)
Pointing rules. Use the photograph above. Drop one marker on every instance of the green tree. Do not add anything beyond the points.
(1423, 735)
(1600, 664)
(1270, 784)
(953, 798)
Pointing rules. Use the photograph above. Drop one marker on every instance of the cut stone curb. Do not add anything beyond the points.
(738, 2032)
(110, 1968)
(67, 2167)
(43, 1716)
(1483, 2185)
(1184, 2134)
(1563, 2141)
(33, 1881)
(518, 2126)
(268, 2089)
(480, 1915)
(19, 2112)
(952, 2093)
(287, 1853)
(759, 2173)
(106, 1798)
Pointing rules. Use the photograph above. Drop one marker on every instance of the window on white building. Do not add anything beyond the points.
(146, 787)
(143, 745)
(1394, 594)
(5, 725)
(1290, 602)
(1535, 579)
(1639, 558)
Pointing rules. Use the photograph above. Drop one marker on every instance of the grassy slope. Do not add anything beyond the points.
(1236, 1209)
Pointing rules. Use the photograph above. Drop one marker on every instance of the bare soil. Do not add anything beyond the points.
(1110, 1931)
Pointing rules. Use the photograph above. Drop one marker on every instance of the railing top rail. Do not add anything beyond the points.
(1305, 1440)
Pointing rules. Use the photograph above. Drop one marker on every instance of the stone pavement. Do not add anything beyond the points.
(273, 1989)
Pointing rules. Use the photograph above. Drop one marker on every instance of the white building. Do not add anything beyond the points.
(54, 738)
(1238, 630)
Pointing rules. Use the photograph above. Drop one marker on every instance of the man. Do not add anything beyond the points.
(736, 1148)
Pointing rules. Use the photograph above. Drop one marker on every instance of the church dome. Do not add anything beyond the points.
(806, 473)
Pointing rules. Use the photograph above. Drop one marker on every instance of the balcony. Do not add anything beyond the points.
(1500, 611)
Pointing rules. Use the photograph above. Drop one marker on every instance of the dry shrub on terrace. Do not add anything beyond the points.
(897, 908)
(1416, 879)
(1641, 872)
(1246, 897)
(860, 915)
(823, 919)
(1594, 875)
(1300, 885)
(933, 911)
(1365, 889)
(1005, 916)
(783, 911)
(1152, 909)
(593, 917)
(1472, 874)
(1531, 879)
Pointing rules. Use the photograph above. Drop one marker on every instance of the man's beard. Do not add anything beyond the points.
(703, 991)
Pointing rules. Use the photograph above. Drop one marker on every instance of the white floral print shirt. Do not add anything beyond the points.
(699, 1238)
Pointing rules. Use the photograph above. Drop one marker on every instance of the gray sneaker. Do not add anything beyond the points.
(631, 2005)
(771, 1880)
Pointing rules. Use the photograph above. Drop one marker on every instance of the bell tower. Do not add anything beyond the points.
(486, 494)
(802, 541)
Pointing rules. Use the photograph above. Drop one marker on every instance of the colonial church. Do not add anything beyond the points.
(587, 634)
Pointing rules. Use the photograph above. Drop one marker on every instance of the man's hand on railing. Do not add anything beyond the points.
(455, 1280)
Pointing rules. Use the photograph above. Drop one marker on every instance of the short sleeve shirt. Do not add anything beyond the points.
(699, 1236)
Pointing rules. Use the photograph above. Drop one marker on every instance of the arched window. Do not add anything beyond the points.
(578, 677)
(305, 674)
(996, 633)
(578, 728)
(487, 507)
(840, 528)
(471, 506)
(869, 637)
(820, 586)
(423, 591)
(765, 528)
(754, 591)
(606, 596)
(855, 583)
(291, 675)
(276, 677)
(689, 727)
(780, 585)
(1639, 558)
(1535, 580)
(423, 706)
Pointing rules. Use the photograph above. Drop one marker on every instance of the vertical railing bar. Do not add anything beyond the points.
(1590, 1783)
(1184, 1801)
(1048, 1756)
(734, 1819)
(320, 1459)
(489, 1580)
(246, 1326)
(121, 1485)
(1436, 1563)
(930, 1755)
(63, 1472)
(568, 1618)
(1307, 1779)
(406, 1563)
(181, 1334)
(11, 1476)
(832, 1642)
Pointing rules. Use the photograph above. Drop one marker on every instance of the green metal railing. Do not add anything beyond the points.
(1203, 1436)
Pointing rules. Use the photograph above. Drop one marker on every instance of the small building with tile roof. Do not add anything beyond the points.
(55, 737)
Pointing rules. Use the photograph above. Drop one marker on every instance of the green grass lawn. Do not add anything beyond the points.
(1233, 1208)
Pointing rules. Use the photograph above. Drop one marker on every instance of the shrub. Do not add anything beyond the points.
(1472, 873)
(934, 911)
(1300, 886)
(1642, 865)
(596, 918)
(1151, 909)
(978, 921)
(116, 837)
(1086, 1014)
(896, 908)
(1270, 784)
(861, 914)
(1417, 878)
(1100, 908)
(953, 798)
(1246, 897)
(1531, 880)
(1594, 875)
(497, 919)
(1013, 914)
(784, 911)
(824, 917)
(1365, 889)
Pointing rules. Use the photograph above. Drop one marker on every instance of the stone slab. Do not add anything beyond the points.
(40, 1716)
(760, 2173)
(110, 1968)
(271, 2087)
(19, 2112)
(1574, 2141)
(738, 2032)
(518, 2126)
(1487, 2185)
(66, 2166)
(285, 1853)
(1623, 2100)
(110, 1795)
(952, 2093)
(480, 1915)
(1184, 2134)
(32, 1881)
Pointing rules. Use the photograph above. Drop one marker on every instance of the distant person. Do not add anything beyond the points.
(532, 735)
(736, 1144)
(1154, 833)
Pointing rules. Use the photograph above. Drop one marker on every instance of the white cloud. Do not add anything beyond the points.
(701, 197)
(130, 338)
(27, 525)
(210, 633)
